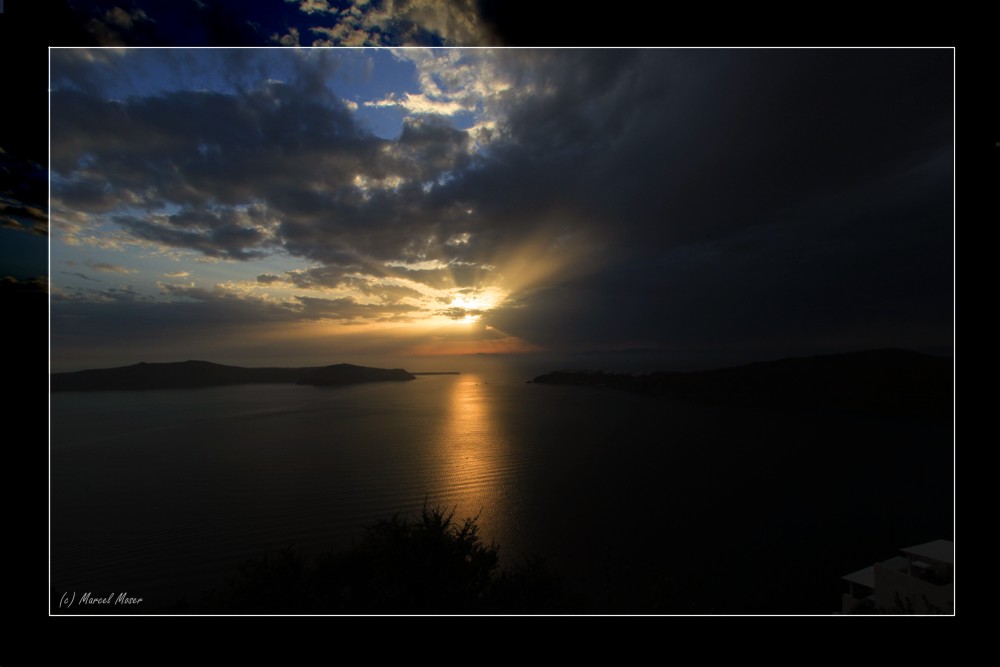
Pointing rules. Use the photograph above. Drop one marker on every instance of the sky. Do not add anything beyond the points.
(308, 206)
(282, 22)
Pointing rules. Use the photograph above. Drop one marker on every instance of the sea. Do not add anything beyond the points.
(641, 504)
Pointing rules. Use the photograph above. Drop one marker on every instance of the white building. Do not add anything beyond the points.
(921, 581)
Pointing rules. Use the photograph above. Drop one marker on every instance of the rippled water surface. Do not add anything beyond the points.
(162, 493)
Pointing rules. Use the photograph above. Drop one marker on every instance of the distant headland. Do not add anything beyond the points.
(889, 381)
(193, 374)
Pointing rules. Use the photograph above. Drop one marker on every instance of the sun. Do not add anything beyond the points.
(469, 307)
(468, 303)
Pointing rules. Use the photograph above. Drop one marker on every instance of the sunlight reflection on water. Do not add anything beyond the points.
(474, 455)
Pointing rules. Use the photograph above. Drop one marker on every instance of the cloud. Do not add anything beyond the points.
(342, 34)
(11, 286)
(224, 239)
(461, 313)
(177, 274)
(401, 23)
(283, 165)
(24, 218)
(268, 278)
(124, 19)
(418, 103)
(346, 308)
(23, 191)
(290, 38)
(314, 6)
(116, 27)
(488, 81)
(82, 275)
(334, 278)
(104, 267)
(30, 214)
(235, 306)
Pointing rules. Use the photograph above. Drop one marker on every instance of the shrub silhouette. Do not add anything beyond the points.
(277, 583)
(428, 565)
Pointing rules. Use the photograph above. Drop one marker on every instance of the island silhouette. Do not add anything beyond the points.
(192, 374)
(890, 381)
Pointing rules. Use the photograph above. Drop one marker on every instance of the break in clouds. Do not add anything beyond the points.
(564, 197)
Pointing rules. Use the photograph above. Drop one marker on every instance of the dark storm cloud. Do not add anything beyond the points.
(236, 234)
(745, 199)
(198, 147)
(669, 148)
(402, 225)
(196, 150)
(431, 143)
(868, 268)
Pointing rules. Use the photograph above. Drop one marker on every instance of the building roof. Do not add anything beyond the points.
(865, 577)
(940, 550)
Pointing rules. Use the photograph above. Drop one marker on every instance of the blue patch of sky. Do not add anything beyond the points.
(370, 75)
(463, 120)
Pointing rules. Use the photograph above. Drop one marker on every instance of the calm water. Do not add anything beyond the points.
(702, 508)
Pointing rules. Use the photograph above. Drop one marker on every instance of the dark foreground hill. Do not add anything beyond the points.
(190, 374)
(880, 381)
